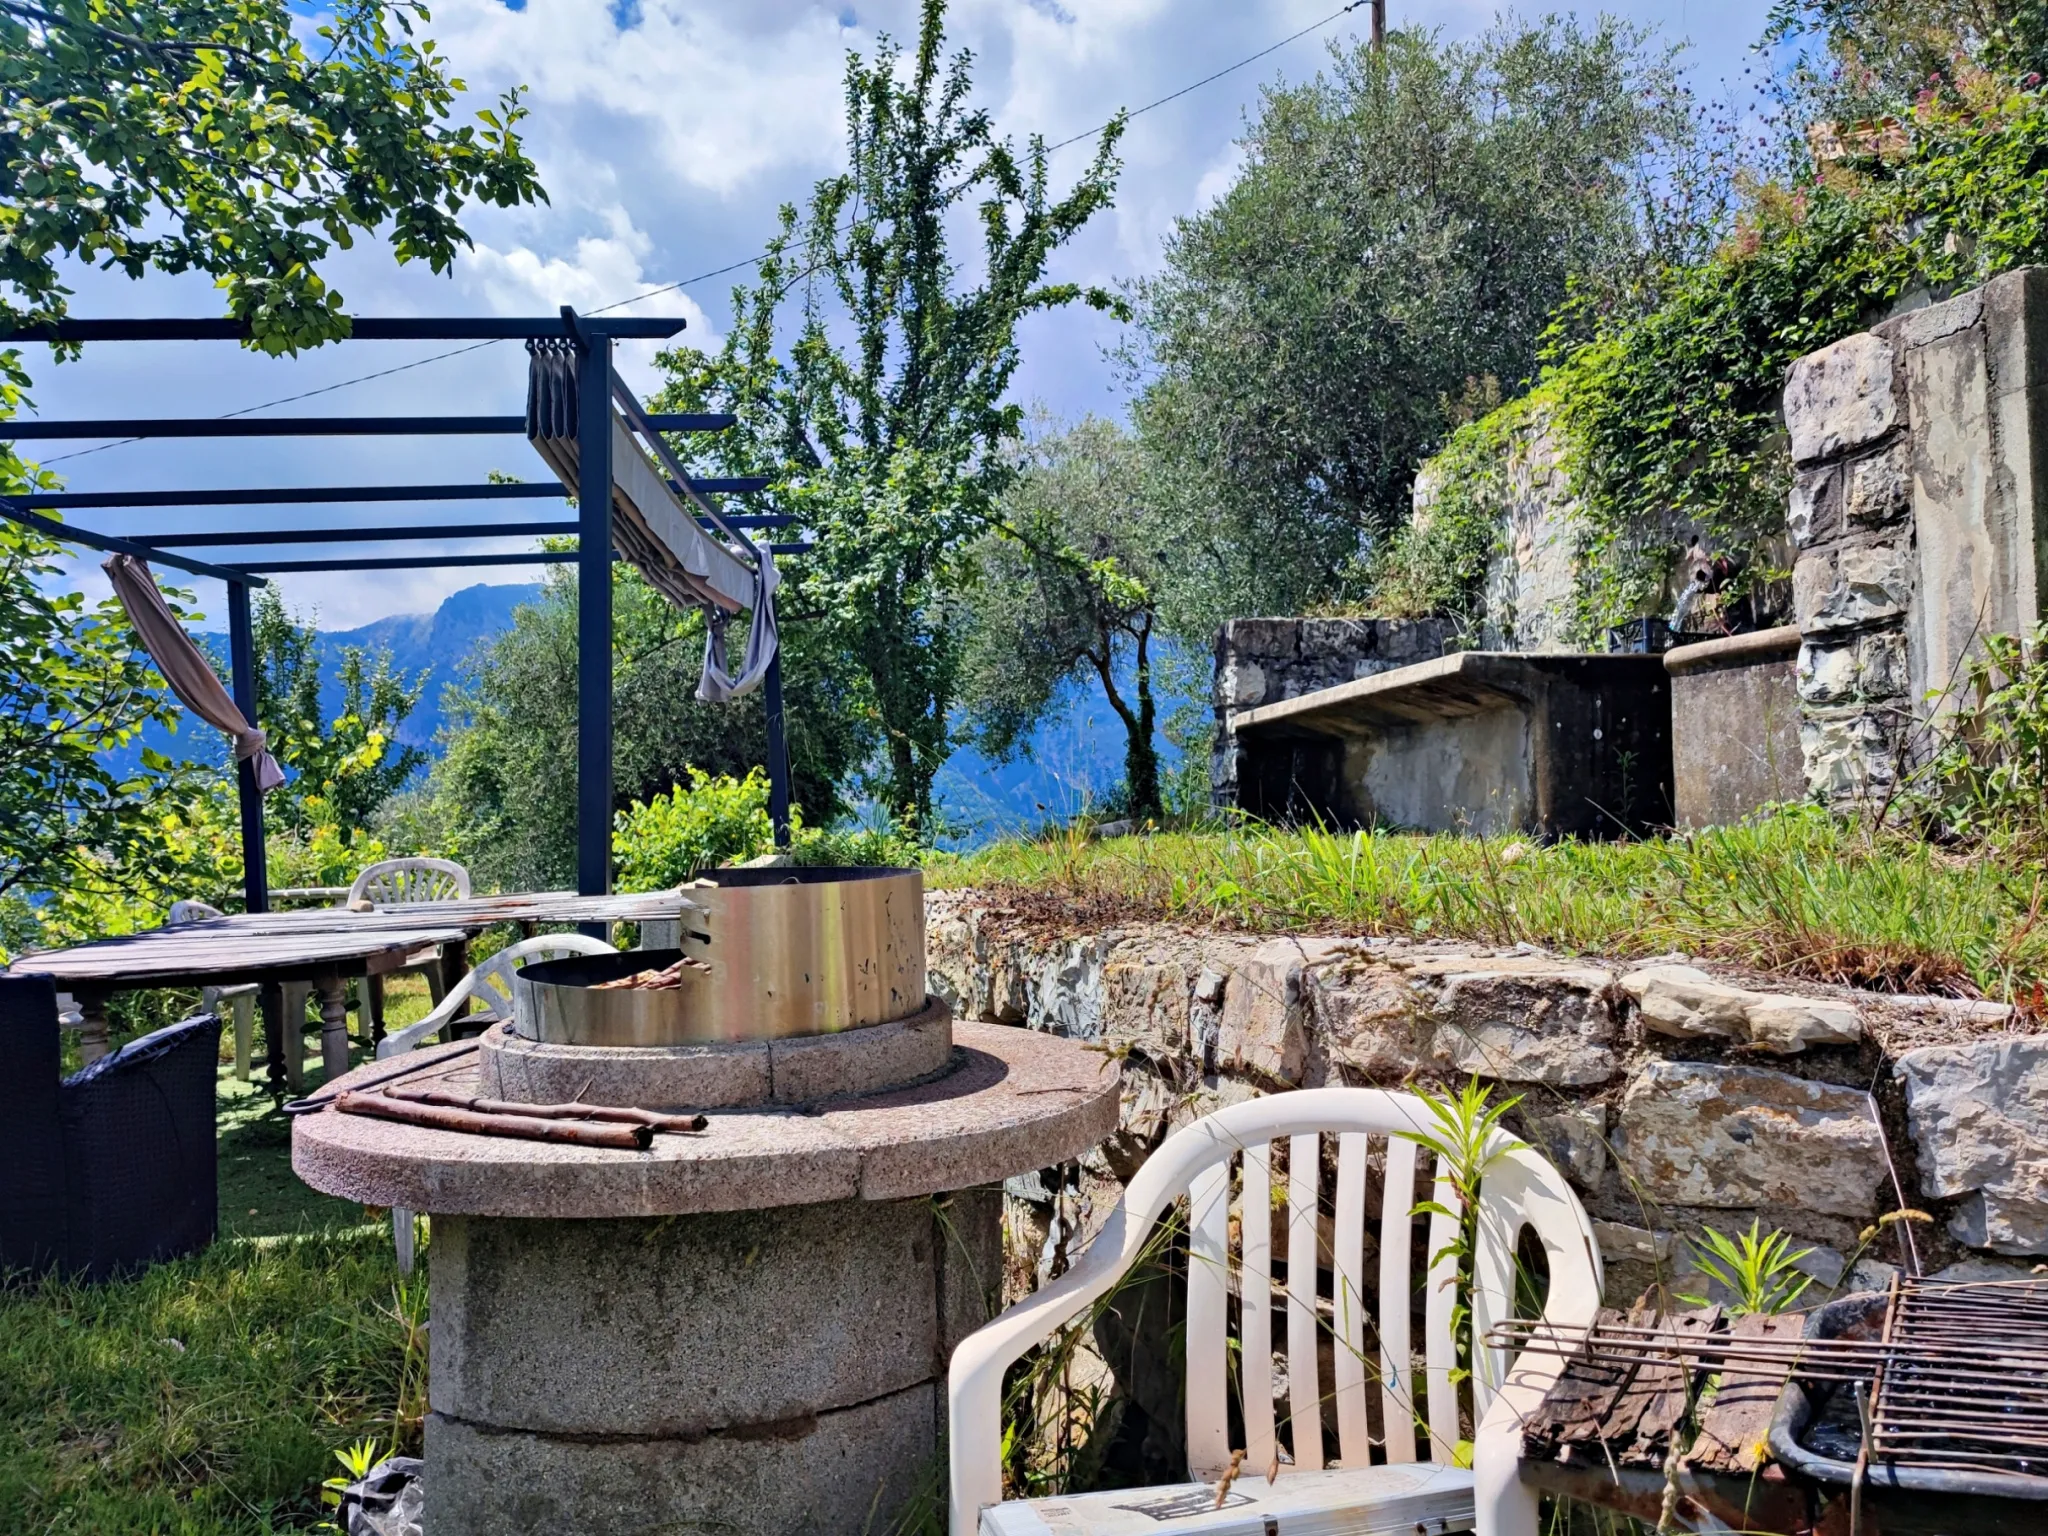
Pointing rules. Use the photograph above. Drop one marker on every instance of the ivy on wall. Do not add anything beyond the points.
(1673, 419)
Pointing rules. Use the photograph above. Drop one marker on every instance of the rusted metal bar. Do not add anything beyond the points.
(654, 1120)
(381, 1106)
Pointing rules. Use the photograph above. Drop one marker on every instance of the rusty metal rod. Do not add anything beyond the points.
(1620, 1336)
(678, 1125)
(624, 1138)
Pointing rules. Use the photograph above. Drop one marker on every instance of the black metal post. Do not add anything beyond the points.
(594, 614)
(242, 665)
(778, 752)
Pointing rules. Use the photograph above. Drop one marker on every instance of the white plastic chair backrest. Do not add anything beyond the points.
(401, 882)
(490, 982)
(1197, 1161)
(192, 912)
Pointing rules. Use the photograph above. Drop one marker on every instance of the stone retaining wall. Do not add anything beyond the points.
(1675, 1096)
(1916, 511)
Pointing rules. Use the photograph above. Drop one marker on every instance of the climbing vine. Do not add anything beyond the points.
(1671, 421)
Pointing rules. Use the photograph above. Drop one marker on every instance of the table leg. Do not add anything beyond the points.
(93, 1031)
(333, 1024)
(454, 966)
(271, 1000)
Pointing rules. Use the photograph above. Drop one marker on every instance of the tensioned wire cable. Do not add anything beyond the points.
(705, 277)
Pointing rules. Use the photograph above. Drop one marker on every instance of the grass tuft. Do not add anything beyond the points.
(1793, 891)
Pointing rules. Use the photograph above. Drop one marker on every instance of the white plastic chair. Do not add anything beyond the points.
(241, 1001)
(490, 983)
(1519, 1189)
(403, 883)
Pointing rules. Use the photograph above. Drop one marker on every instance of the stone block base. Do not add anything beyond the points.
(840, 1473)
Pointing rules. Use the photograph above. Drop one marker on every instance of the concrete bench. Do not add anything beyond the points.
(1735, 726)
(1479, 741)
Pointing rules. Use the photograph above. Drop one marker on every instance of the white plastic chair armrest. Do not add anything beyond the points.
(400, 1041)
(975, 1381)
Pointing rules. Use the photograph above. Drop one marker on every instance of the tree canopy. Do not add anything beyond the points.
(206, 135)
(1404, 229)
(1068, 587)
(872, 377)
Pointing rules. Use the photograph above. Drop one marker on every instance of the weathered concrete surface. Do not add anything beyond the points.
(1262, 661)
(1734, 727)
(1696, 1134)
(818, 1475)
(1493, 741)
(1686, 1003)
(699, 1372)
(1977, 1113)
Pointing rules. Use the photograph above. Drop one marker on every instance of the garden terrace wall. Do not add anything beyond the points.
(1917, 511)
(1264, 661)
(1675, 1097)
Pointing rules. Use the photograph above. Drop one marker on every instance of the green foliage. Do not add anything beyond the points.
(886, 417)
(343, 771)
(1990, 775)
(1877, 56)
(1669, 424)
(205, 1395)
(73, 689)
(1466, 1140)
(677, 835)
(502, 797)
(1068, 586)
(674, 837)
(1760, 1272)
(1405, 226)
(205, 135)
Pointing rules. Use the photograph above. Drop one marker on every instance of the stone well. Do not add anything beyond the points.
(743, 1330)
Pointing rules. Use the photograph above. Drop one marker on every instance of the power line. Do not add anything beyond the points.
(703, 277)
(1228, 69)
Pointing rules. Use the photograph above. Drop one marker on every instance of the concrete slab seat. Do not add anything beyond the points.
(1479, 741)
(1735, 726)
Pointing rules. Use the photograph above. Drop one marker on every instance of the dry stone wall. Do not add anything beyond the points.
(1916, 514)
(1675, 1096)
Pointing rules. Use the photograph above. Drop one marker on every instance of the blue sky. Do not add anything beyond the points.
(668, 132)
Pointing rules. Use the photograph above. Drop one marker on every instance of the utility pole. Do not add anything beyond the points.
(1379, 24)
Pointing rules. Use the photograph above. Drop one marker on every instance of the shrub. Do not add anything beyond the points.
(673, 838)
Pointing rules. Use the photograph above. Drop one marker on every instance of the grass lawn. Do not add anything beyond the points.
(207, 1397)
(1796, 891)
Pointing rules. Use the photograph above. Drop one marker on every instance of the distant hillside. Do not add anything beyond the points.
(1075, 758)
(437, 643)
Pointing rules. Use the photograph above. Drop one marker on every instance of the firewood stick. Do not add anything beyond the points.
(440, 1117)
(677, 1125)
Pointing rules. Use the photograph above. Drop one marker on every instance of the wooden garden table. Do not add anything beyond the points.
(324, 946)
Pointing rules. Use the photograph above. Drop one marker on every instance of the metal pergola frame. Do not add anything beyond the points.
(598, 387)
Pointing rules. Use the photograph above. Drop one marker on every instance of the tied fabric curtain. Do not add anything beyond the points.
(184, 665)
(717, 686)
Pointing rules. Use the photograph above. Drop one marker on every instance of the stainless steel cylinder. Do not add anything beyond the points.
(791, 952)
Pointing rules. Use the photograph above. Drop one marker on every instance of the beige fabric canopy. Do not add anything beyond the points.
(185, 666)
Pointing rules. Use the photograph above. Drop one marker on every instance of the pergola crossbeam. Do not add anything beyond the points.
(320, 426)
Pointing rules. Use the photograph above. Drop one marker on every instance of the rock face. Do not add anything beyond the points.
(1916, 512)
(1658, 1147)
(1976, 1113)
(1687, 1003)
(1743, 1137)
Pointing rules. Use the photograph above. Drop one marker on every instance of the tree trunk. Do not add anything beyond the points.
(1141, 758)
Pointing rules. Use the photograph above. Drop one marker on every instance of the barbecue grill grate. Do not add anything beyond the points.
(1963, 1385)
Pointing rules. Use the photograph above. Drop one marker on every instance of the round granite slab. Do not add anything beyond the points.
(1015, 1100)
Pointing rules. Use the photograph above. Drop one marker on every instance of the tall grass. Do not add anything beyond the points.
(1795, 891)
(204, 1397)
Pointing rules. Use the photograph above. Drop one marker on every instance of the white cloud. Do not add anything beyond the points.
(602, 270)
